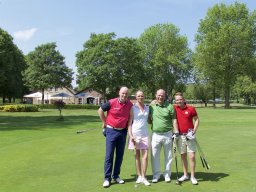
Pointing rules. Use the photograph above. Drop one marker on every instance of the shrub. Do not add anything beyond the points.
(20, 108)
(60, 105)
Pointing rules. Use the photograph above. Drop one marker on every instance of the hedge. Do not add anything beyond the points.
(19, 108)
(35, 108)
(70, 106)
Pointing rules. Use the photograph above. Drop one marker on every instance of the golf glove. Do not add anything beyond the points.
(190, 134)
(104, 132)
(175, 135)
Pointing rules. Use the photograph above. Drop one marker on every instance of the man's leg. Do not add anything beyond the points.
(167, 156)
(184, 163)
(155, 156)
(182, 148)
(110, 147)
(120, 146)
(192, 163)
(192, 158)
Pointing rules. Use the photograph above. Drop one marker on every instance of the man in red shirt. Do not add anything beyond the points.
(115, 124)
(188, 120)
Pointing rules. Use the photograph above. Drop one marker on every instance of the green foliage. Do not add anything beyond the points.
(82, 106)
(202, 92)
(59, 104)
(107, 63)
(226, 45)
(166, 58)
(46, 68)
(12, 64)
(246, 88)
(19, 108)
(70, 106)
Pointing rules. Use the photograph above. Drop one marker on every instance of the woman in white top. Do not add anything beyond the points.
(138, 134)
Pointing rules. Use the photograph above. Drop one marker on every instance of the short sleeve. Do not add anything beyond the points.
(194, 113)
(105, 106)
(150, 110)
(172, 110)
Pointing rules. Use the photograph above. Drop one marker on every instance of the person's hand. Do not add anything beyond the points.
(137, 139)
(175, 135)
(103, 125)
(104, 132)
(191, 135)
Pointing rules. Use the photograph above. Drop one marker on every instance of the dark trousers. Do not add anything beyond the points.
(115, 142)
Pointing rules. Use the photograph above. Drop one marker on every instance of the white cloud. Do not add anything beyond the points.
(25, 34)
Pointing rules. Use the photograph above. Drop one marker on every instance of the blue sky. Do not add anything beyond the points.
(69, 23)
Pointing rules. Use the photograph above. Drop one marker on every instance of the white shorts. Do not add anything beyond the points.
(184, 145)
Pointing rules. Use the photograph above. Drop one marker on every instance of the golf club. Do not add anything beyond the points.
(175, 155)
(202, 156)
(202, 161)
(85, 130)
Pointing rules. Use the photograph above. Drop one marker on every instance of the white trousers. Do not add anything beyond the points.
(158, 141)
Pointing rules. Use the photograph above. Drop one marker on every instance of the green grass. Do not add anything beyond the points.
(38, 153)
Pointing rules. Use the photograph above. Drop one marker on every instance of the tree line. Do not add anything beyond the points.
(223, 63)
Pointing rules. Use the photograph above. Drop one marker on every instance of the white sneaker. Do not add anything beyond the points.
(139, 180)
(119, 181)
(193, 181)
(155, 179)
(145, 182)
(183, 178)
(106, 183)
(167, 178)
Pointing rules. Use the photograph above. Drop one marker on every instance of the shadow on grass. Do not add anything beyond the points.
(201, 177)
(207, 176)
(9, 123)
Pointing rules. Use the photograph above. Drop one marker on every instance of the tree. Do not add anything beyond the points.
(60, 105)
(166, 57)
(226, 45)
(46, 68)
(202, 92)
(12, 64)
(106, 63)
(246, 88)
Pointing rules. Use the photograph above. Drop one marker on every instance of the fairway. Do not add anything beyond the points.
(40, 154)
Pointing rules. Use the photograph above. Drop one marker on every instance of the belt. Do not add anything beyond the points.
(119, 129)
(162, 133)
(182, 133)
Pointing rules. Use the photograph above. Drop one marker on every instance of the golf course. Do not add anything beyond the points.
(40, 154)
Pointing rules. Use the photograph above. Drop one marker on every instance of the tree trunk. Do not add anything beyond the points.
(227, 97)
(42, 101)
(214, 96)
(104, 96)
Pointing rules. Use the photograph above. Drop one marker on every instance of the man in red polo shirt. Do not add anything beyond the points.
(115, 124)
(187, 121)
